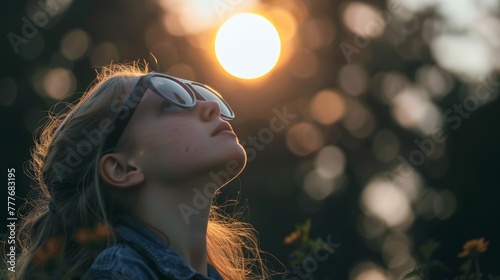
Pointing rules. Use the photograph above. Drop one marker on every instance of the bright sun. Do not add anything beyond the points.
(247, 46)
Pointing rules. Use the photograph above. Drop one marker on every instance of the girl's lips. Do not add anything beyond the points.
(223, 126)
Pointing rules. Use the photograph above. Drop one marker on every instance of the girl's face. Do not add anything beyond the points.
(173, 144)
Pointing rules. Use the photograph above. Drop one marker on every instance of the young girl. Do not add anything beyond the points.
(126, 179)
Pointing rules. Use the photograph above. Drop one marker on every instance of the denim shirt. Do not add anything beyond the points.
(140, 254)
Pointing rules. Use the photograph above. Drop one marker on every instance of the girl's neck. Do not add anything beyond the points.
(160, 209)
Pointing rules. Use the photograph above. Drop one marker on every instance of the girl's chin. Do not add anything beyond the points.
(240, 157)
(232, 163)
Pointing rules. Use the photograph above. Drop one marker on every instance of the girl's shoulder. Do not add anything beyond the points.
(121, 261)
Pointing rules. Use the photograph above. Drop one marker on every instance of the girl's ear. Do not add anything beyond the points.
(116, 171)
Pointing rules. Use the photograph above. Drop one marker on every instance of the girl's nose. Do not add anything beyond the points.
(208, 109)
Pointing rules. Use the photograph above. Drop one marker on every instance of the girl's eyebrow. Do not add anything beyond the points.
(164, 102)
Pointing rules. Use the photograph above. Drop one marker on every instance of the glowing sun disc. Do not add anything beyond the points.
(247, 46)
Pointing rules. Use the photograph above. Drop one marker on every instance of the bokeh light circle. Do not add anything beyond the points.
(387, 202)
(59, 82)
(327, 107)
(304, 138)
(318, 187)
(330, 162)
(75, 44)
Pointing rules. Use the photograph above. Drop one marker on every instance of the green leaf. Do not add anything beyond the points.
(326, 247)
(428, 248)
(306, 229)
(415, 272)
(465, 267)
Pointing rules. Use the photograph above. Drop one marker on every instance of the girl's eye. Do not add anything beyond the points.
(167, 107)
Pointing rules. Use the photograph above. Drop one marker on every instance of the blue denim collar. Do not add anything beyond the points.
(134, 232)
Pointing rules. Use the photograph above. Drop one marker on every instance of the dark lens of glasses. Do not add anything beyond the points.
(173, 91)
(211, 95)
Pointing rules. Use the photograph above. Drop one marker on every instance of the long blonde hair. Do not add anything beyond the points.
(84, 203)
